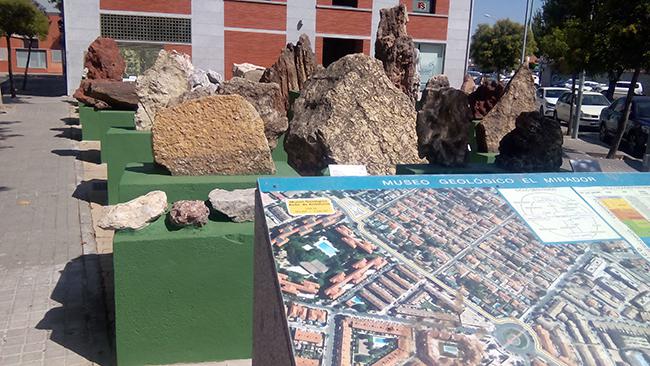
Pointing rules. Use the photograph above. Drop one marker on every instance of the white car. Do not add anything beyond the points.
(592, 104)
(588, 85)
(623, 86)
(546, 98)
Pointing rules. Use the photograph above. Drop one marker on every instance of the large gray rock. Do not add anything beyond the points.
(443, 126)
(189, 213)
(167, 80)
(135, 214)
(535, 145)
(267, 100)
(238, 205)
(248, 71)
(396, 50)
(351, 113)
(519, 97)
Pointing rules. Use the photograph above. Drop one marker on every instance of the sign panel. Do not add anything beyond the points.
(543, 269)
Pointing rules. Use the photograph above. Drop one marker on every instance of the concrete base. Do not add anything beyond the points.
(95, 123)
(183, 296)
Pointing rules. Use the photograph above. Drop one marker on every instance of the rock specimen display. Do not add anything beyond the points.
(201, 79)
(351, 113)
(485, 97)
(135, 214)
(104, 61)
(519, 97)
(238, 205)
(443, 126)
(267, 100)
(248, 71)
(189, 213)
(216, 135)
(293, 68)
(436, 82)
(468, 84)
(396, 50)
(167, 80)
(105, 94)
(535, 145)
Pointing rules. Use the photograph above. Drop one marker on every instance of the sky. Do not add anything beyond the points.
(500, 9)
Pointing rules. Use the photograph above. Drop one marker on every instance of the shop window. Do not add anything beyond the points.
(432, 58)
(335, 48)
(424, 6)
(3, 54)
(38, 59)
(146, 28)
(57, 56)
(349, 3)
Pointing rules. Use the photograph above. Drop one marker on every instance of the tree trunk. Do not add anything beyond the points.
(12, 90)
(29, 56)
(570, 122)
(622, 124)
(613, 76)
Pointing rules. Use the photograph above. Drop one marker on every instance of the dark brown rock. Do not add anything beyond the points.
(535, 145)
(518, 97)
(468, 84)
(108, 94)
(436, 82)
(104, 61)
(396, 50)
(443, 126)
(485, 97)
(189, 213)
(293, 68)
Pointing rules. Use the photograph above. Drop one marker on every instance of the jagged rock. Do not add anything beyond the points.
(238, 205)
(485, 97)
(351, 113)
(519, 97)
(248, 71)
(267, 100)
(396, 50)
(107, 94)
(202, 79)
(197, 93)
(104, 61)
(167, 80)
(443, 126)
(189, 213)
(436, 82)
(535, 145)
(135, 214)
(216, 135)
(293, 68)
(468, 84)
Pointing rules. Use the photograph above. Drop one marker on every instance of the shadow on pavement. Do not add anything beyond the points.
(71, 121)
(4, 189)
(81, 324)
(88, 191)
(71, 133)
(89, 156)
(37, 85)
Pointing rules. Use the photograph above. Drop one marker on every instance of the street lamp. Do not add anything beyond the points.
(527, 20)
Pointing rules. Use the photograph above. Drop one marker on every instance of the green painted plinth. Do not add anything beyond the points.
(139, 179)
(95, 123)
(482, 158)
(424, 169)
(121, 146)
(183, 296)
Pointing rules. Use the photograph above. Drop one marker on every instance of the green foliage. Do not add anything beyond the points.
(498, 47)
(22, 17)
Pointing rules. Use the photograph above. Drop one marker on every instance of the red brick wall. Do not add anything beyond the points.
(362, 4)
(442, 6)
(257, 48)
(366, 47)
(427, 27)
(154, 6)
(255, 15)
(51, 42)
(319, 50)
(335, 21)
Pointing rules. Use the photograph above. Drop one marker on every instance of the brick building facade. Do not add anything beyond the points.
(219, 33)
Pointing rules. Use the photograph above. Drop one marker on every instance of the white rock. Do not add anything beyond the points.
(239, 204)
(135, 214)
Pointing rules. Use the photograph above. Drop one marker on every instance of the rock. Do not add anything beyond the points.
(248, 71)
(351, 113)
(293, 68)
(443, 126)
(535, 145)
(238, 205)
(267, 100)
(205, 80)
(189, 213)
(436, 82)
(214, 77)
(104, 61)
(167, 80)
(396, 50)
(135, 214)
(485, 97)
(197, 93)
(107, 94)
(216, 135)
(468, 84)
(519, 97)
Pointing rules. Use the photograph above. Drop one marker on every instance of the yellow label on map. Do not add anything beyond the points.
(310, 206)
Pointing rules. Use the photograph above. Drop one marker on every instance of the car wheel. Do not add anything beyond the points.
(603, 134)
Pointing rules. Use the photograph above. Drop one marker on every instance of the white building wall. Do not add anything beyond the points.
(301, 12)
(81, 29)
(457, 41)
(208, 35)
(377, 5)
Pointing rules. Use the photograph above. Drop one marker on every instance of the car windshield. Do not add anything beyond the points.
(643, 109)
(594, 100)
(554, 93)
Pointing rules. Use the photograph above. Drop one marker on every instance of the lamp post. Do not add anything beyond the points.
(527, 20)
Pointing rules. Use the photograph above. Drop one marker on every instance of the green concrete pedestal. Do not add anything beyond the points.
(95, 123)
(121, 146)
(183, 296)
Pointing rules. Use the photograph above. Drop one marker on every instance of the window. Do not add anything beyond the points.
(424, 6)
(38, 59)
(57, 56)
(335, 48)
(350, 3)
(146, 28)
(138, 56)
(3, 54)
(432, 57)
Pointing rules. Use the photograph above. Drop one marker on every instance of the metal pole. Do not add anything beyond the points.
(523, 48)
(469, 35)
(578, 112)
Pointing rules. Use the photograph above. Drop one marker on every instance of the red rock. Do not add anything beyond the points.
(189, 213)
(107, 94)
(104, 61)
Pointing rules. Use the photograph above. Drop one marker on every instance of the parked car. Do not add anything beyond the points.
(638, 126)
(546, 98)
(592, 104)
(623, 86)
(588, 85)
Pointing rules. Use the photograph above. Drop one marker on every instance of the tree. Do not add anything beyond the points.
(37, 28)
(498, 47)
(17, 17)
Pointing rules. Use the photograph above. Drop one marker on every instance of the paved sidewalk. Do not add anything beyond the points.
(51, 301)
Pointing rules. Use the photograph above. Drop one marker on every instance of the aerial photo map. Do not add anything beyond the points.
(515, 270)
